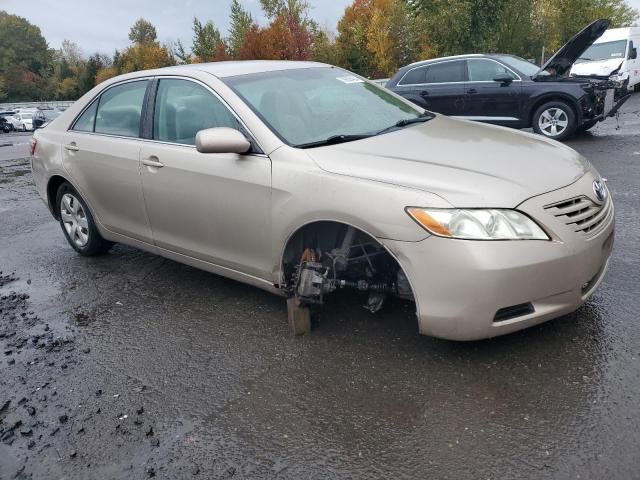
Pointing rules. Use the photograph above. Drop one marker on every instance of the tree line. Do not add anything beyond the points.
(373, 38)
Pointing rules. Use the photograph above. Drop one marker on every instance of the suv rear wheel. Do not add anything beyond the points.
(554, 120)
(77, 223)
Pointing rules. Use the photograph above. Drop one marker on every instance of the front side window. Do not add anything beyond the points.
(481, 70)
(521, 65)
(309, 105)
(183, 108)
(120, 109)
(446, 72)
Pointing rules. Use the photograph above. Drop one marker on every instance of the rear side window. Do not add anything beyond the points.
(446, 72)
(120, 109)
(87, 120)
(183, 108)
(414, 77)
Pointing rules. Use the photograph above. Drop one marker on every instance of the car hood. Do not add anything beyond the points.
(597, 68)
(564, 58)
(467, 164)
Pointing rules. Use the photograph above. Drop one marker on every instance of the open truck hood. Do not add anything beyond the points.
(564, 58)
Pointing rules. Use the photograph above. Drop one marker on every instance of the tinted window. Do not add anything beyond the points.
(486, 70)
(183, 108)
(446, 72)
(120, 109)
(87, 119)
(415, 76)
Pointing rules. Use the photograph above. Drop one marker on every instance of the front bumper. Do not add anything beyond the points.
(459, 286)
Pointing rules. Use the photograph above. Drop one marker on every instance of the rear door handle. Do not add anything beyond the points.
(152, 162)
(72, 147)
(424, 94)
(472, 91)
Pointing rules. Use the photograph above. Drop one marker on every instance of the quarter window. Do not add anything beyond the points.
(120, 109)
(486, 70)
(183, 108)
(87, 120)
(446, 72)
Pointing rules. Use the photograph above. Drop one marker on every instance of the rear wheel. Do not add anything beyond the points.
(555, 120)
(78, 224)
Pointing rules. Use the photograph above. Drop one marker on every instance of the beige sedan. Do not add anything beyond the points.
(302, 179)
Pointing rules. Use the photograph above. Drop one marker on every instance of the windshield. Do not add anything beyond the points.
(521, 65)
(26, 116)
(303, 106)
(604, 51)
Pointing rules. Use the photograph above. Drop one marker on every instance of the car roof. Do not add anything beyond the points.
(239, 67)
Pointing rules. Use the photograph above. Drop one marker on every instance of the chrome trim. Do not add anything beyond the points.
(486, 119)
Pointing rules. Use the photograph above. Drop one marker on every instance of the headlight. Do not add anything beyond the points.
(472, 224)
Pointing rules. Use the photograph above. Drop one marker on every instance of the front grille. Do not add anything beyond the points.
(582, 214)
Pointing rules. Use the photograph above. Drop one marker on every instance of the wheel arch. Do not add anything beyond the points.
(53, 184)
(289, 243)
(551, 97)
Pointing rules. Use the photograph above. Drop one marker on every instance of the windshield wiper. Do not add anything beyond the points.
(585, 58)
(423, 117)
(334, 139)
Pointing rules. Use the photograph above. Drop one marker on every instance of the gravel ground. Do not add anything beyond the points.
(132, 366)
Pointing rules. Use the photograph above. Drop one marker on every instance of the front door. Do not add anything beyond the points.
(213, 207)
(488, 100)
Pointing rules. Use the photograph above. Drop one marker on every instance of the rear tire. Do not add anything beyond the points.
(77, 223)
(555, 120)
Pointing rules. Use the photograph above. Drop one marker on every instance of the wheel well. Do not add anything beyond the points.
(52, 191)
(555, 98)
(327, 237)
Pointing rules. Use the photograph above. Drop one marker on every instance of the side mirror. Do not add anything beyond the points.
(634, 54)
(221, 140)
(503, 78)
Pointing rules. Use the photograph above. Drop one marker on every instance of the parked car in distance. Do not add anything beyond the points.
(22, 120)
(613, 56)
(6, 125)
(510, 91)
(302, 179)
(42, 117)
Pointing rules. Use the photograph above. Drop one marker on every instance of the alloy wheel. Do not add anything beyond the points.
(74, 219)
(553, 122)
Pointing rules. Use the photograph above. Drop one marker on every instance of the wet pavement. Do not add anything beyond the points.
(133, 366)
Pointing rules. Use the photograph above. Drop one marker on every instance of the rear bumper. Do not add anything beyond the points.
(460, 286)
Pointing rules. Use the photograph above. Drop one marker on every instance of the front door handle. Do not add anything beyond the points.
(424, 94)
(472, 91)
(72, 147)
(152, 162)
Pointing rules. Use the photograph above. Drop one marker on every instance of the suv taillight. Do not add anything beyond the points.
(34, 143)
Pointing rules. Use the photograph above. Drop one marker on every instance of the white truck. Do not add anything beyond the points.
(614, 56)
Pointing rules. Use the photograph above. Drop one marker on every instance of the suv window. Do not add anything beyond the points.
(446, 72)
(183, 108)
(120, 109)
(481, 70)
(416, 76)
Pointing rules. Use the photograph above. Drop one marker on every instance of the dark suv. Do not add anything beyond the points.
(508, 90)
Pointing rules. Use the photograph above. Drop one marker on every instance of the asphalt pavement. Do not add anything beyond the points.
(132, 366)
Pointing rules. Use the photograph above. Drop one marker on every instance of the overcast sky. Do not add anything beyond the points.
(103, 25)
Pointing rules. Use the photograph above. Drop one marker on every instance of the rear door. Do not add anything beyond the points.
(438, 87)
(488, 100)
(102, 153)
(215, 207)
